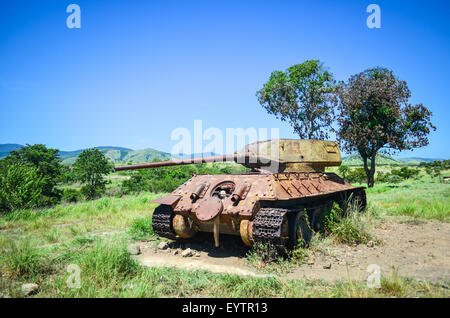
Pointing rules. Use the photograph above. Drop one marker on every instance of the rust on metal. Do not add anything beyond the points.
(182, 227)
(208, 209)
(170, 200)
(256, 206)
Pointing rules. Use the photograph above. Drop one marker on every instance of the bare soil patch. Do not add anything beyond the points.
(417, 250)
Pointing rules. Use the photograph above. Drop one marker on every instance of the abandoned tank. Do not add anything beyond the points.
(280, 202)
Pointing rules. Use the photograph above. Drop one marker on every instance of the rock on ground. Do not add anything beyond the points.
(187, 253)
(134, 249)
(29, 289)
(163, 246)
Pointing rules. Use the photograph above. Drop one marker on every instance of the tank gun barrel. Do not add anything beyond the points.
(179, 162)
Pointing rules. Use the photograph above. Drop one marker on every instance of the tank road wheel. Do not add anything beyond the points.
(183, 227)
(162, 222)
(300, 232)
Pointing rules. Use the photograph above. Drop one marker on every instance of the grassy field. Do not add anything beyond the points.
(38, 246)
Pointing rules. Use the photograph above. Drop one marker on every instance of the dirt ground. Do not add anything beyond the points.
(418, 250)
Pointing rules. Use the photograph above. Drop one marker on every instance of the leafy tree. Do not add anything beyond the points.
(302, 96)
(48, 165)
(89, 168)
(20, 186)
(375, 116)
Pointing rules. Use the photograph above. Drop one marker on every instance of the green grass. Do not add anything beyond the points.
(38, 245)
(415, 199)
(107, 270)
(67, 221)
(141, 228)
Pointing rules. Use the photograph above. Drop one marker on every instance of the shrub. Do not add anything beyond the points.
(71, 195)
(48, 167)
(394, 179)
(357, 175)
(382, 176)
(20, 187)
(405, 172)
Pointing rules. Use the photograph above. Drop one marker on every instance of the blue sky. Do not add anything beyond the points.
(136, 70)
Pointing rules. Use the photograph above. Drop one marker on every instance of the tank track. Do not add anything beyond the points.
(162, 222)
(267, 226)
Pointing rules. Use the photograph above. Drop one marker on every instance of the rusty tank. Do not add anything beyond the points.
(280, 202)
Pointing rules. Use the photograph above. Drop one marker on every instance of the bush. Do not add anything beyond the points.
(48, 167)
(405, 172)
(71, 195)
(20, 187)
(394, 179)
(357, 175)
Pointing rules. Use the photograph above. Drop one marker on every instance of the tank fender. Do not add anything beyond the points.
(170, 200)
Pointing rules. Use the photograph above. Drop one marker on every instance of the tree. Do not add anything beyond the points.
(48, 165)
(89, 169)
(375, 116)
(20, 186)
(302, 96)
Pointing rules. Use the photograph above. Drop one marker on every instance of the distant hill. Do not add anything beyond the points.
(381, 159)
(5, 149)
(119, 154)
(116, 154)
(418, 160)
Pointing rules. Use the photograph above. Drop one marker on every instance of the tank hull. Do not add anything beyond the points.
(252, 205)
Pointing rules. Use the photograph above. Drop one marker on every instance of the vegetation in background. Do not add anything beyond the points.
(20, 186)
(89, 169)
(167, 179)
(434, 169)
(374, 115)
(47, 167)
(301, 96)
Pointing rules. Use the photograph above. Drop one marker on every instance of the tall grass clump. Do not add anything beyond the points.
(349, 228)
(22, 260)
(141, 228)
(106, 262)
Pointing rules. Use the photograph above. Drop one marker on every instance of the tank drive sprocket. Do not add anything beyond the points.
(162, 221)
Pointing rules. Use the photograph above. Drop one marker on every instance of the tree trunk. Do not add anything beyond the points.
(370, 172)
